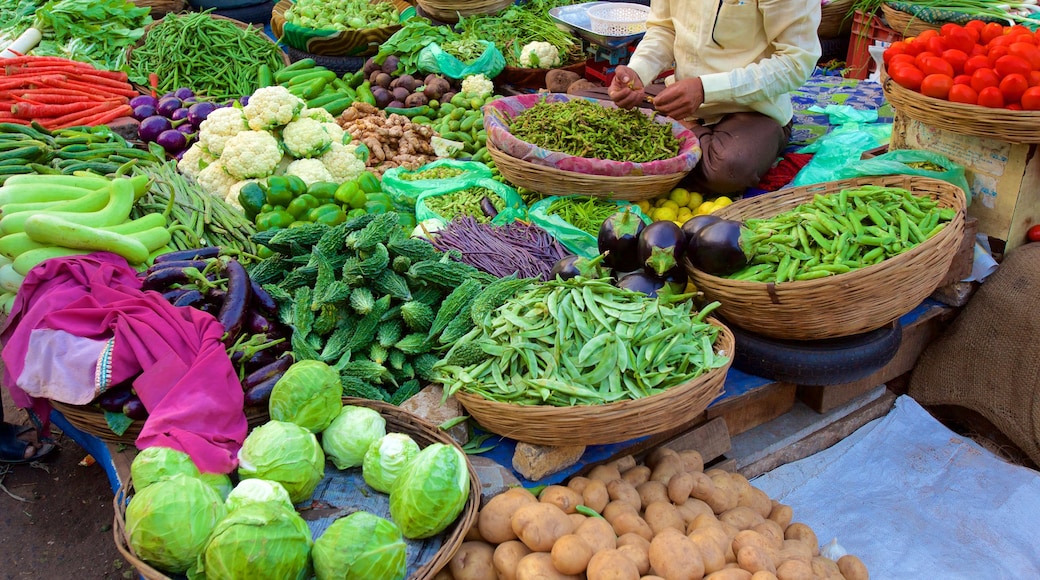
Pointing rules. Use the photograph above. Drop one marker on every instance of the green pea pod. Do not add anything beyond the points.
(278, 190)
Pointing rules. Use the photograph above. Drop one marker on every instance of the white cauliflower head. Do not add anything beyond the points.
(251, 154)
(342, 162)
(306, 137)
(219, 126)
(539, 54)
(309, 170)
(272, 107)
(318, 114)
(336, 132)
(194, 160)
(477, 85)
(215, 180)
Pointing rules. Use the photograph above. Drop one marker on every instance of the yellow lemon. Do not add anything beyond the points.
(671, 205)
(664, 214)
(722, 201)
(680, 196)
(644, 205)
(696, 200)
(704, 208)
(685, 213)
(659, 201)
(678, 223)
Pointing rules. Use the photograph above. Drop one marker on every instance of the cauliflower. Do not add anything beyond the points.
(306, 137)
(342, 162)
(309, 170)
(336, 132)
(539, 55)
(272, 107)
(251, 154)
(318, 114)
(477, 85)
(194, 160)
(232, 195)
(215, 180)
(221, 125)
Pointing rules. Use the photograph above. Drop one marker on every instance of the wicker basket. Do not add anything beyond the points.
(997, 124)
(845, 304)
(397, 420)
(160, 8)
(835, 19)
(609, 423)
(91, 420)
(356, 43)
(906, 24)
(449, 11)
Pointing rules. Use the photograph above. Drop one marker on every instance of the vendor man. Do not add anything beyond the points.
(736, 62)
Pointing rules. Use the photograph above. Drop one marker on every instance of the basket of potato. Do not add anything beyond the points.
(666, 519)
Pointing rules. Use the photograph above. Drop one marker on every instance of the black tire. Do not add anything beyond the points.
(816, 362)
(255, 14)
(337, 64)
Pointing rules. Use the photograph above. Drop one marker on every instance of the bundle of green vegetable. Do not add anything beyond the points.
(341, 14)
(213, 56)
(405, 44)
(580, 342)
(583, 128)
(586, 214)
(520, 25)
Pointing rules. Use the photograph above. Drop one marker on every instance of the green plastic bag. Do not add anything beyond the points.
(433, 59)
(838, 149)
(897, 162)
(406, 192)
(514, 206)
(577, 241)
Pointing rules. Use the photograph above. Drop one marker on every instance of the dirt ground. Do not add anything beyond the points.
(60, 525)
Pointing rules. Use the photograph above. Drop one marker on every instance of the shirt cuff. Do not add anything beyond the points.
(644, 69)
(717, 87)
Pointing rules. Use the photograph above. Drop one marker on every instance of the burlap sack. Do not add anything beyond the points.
(988, 361)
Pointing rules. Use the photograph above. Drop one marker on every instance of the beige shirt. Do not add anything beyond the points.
(749, 54)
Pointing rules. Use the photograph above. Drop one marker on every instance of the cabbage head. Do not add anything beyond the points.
(286, 453)
(309, 394)
(257, 541)
(220, 483)
(169, 521)
(386, 459)
(361, 546)
(431, 492)
(155, 463)
(351, 433)
(257, 491)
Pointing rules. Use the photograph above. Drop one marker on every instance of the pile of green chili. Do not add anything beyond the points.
(211, 56)
(583, 128)
(585, 213)
(465, 202)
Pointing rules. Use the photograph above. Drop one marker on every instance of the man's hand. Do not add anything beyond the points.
(681, 99)
(626, 90)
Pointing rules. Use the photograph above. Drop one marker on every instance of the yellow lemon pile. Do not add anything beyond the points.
(680, 205)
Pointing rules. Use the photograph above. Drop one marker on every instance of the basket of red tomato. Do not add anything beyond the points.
(979, 78)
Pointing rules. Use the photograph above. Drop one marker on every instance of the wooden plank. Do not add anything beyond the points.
(710, 439)
(122, 456)
(964, 256)
(757, 407)
(723, 463)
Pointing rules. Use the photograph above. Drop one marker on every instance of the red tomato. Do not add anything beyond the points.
(976, 25)
(1026, 51)
(1033, 233)
(917, 45)
(928, 34)
(991, 97)
(974, 63)
(937, 44)
(903, 58)
(999, 41)
(962, 80)
(978, 50)
(957, 59)
(1034, 78)
(1014, 31)
(1013, 86)
(982, 78)
(937, 85)
(936, 65)
(1031, 99)
(990, 31)
(919, 58)
(908, 76)
(995, 52)
(1011, 64)
(1014, 107)
(896, 48)
(963, 94)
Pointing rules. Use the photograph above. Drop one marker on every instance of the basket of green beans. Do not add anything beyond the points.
(339, 28)
(838, 258)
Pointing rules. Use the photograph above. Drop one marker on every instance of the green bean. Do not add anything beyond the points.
(586, 214)
(464, 202)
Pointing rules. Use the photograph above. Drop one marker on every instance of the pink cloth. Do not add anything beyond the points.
(187, 381)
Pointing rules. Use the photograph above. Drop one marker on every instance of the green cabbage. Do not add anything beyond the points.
(286, 453)
(351, 433)
(168, 522)
(220, 483)
(257, 491)
(361, 546)
(386, 459)
(309, 394)
(431, 492)
(257, 541)
(155, 463)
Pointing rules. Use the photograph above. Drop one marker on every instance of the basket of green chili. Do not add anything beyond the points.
(837, 258)
(559, 144)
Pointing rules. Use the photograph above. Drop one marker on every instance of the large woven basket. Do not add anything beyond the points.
(845, 304)
(450, 11)
(835, 19)
(998, 124)
(397, 420)
(906, 24)
(608, 423)
(355, 43)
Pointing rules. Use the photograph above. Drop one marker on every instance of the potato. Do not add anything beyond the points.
(707, 520)
(578, 483)
(595, 495)
(754, 559)
(772, 531)
(852, 568)
(607, 472)
(621, 490)
(715, 472)
(795, 550)
(800, 531)
(494, 521)
(577, 519)
(557, 80)
(539, 525)
(562, 497)
(651, 491)
(781, 514)
(794, 570)
(612, 565)
(730, 529)
(741, 483)
(675, 557)
(598, 534)
(726, 495)
(679, 487)
(750, 538)
(755, 499)
(443, 574)
(507, 556)
(539, 566)
(571, 554)
(710, 547)
(637, 475)
(692, 460)
(639, 554)
(651, 577)
(763, 575)
(729, 574)
(473, 534)
(616, 508)
(653, 458)
(473, 561)
(661, 515)
(692, 508)
(631, 522)
(624, 463)
(741, 517)
(667, 467)
(825, 568)
(635, 539)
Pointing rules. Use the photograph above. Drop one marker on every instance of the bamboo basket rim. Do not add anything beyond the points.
(843, 304)
(451, 10)
(278, 23)
(608, 423)
(162, 7)
(91, 420)
(398, 420)
(835, 18)
(905, 23)
(998, 124)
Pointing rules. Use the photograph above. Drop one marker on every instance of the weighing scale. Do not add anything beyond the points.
(605, 52)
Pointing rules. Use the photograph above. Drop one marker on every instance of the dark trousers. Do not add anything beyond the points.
(736, 152)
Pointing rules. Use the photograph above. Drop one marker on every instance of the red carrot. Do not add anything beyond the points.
(36, 59)
(101, 81)
(58, 99)
(70, 117)
(95, 119)
(39, 111)
(88, 72)
(70, 84)
(56, 93)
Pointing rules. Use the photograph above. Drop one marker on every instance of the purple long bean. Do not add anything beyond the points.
(516, 248)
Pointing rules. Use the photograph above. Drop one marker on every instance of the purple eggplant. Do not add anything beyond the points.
(262, 299)
(197, 264)
(488, 207)
(191, 254)
(257, 323)
(259, 394)
(184, 93)
(163, 278)
(189, 298)
(641, 281)
(143, 100)
(277, 367)
(142, 112)
(661, 247)
(569, 267)
(114, 398)
(153, 126)
(719, 250)
(198, 112)
(172, 140)
(233, 309)
(167, 105)
(134, 408)
(171, 295)
(619, 240)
